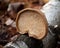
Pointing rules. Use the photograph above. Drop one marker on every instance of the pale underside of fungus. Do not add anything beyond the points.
(32, 22)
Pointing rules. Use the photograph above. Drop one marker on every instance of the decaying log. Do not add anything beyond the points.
(24, 41)
(50, 41)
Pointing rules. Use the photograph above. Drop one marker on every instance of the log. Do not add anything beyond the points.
(50, 41)
(24, 41)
